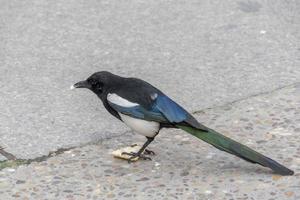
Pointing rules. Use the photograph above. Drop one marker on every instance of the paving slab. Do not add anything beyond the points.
(202, 53)
(183, 167)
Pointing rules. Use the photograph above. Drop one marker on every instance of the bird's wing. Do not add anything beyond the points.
(171, 110)
(175, 113)
(134, 109)
(162, 109)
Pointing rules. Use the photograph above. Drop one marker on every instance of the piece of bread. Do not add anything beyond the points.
(133, 148)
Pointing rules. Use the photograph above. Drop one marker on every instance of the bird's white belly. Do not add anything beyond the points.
(143, 127)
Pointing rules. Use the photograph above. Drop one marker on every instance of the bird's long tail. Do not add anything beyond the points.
(230, 146)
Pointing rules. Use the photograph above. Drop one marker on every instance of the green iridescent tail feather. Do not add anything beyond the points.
(230, 146)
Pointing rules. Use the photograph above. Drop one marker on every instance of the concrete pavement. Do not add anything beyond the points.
(183, 167)
(201, 53)
(204, 54)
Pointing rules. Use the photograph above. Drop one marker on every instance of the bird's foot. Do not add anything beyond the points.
(149, 152)
(146, 151)
(135, 155)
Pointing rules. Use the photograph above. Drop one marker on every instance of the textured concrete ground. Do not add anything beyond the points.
(184, 167)
(202, 53)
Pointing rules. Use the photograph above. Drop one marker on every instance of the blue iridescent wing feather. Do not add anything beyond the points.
(140, 113)
(163, 109)
(171, 110)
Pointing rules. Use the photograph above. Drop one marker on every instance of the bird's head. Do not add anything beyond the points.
(99, 83)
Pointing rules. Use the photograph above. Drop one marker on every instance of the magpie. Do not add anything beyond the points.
(146, 110)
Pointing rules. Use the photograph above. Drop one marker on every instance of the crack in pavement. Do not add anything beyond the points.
(245, 98)
(17, 162)
(12, 161)
(6, 154)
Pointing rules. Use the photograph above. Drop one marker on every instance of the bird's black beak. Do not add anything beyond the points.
(81, 84)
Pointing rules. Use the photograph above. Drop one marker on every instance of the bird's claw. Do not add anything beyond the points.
(149, 152)
(146, 151)
(135, 155)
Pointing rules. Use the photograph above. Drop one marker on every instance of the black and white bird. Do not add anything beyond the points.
(146, 110)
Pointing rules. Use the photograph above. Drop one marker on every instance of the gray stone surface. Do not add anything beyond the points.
(183, 167)
(202, 53)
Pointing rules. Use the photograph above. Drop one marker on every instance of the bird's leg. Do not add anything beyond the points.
(139, 153)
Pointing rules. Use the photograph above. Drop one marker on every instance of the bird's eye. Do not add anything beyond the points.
(98, 86)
